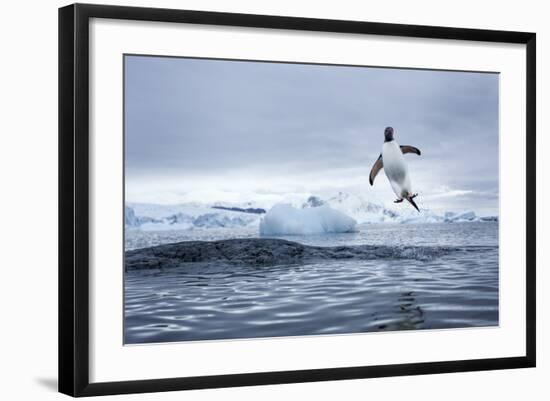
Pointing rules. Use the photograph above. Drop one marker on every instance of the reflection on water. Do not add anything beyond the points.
(212, 301)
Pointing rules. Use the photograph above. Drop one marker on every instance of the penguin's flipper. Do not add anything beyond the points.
(375, 169)
(409, 149)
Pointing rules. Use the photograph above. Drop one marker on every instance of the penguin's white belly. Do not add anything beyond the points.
(396, 169)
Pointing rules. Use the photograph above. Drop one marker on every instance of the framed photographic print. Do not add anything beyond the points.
(251, 199)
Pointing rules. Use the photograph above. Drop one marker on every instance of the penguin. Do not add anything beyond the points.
(393, 162)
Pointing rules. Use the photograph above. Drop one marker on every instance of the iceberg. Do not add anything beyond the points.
(285, 219)
(451, 217)
(362, 210)
(130, 219)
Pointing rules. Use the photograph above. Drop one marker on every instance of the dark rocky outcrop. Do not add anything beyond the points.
(253, 210)
(263, 252)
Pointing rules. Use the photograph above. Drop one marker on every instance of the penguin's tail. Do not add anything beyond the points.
(411, 201)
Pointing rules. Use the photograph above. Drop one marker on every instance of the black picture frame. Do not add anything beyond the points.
(74, 198)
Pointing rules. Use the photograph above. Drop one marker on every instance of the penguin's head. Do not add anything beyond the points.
(388, 134)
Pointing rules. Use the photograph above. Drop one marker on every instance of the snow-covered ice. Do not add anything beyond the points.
(149, 217)
(309, 214)
(285, 219)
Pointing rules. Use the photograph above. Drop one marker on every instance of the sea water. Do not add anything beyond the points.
(428, 289)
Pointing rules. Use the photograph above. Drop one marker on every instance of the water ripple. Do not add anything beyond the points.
(213, 301)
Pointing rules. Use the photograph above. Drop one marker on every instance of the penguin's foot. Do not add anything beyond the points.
(398, 200)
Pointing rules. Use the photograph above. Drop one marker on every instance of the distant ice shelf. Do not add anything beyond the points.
(150, 217)
(342, 212)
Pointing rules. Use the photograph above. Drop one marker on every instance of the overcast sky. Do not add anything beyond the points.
(230, 131)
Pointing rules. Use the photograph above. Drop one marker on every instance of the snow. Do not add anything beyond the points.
(190, 216)
(366, 211)
(285, 219)
(413, 217)
(308, 214)
(451, 217)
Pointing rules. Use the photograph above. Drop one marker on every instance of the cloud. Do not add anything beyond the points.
(447, 192)
(258, 128)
